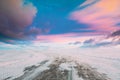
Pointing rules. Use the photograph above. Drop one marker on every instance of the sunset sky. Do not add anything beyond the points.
(29, 21)
(85, 31)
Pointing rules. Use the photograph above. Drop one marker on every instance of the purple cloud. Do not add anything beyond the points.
(15, 17)
(75, 43)
(116, 33)
(111, 40)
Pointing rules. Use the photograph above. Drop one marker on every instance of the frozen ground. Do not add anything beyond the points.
(13, 61)
(62, 69)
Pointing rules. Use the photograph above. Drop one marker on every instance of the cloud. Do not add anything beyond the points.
(75, 43)
(99, 44)
(101, 16)
(15, 17)
(115, 36)
(88, 2)
(88, 41)
(116, 33)
(112, 39)
(56, 38)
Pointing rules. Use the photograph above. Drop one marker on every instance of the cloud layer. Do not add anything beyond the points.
(102, 16)
(15, 17)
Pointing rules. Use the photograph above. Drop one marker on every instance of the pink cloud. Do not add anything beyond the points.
(101, 16)
(61, 38)
(55, 38)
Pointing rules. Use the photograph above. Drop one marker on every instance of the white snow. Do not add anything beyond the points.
(69, 66)
(38, 71)
(75, 75)
(64, 66)
(14, 60)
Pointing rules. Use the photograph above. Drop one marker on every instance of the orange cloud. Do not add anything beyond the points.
(101, 16)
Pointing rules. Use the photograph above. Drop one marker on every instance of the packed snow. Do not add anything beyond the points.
(13, 61)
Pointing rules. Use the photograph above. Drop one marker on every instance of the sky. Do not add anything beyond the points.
(30, 21)
(88, 29)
